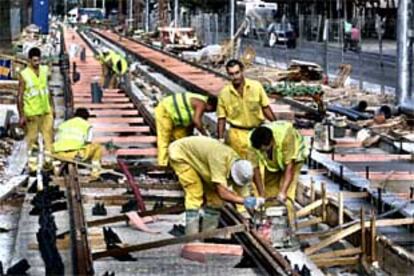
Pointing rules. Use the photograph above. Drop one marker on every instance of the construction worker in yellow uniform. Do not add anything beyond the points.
(73, 140)
(35, 106)
(120, 68)
(101, 55)
(109, 56)
(279, 151)
(209, 169)
(243, 104)
(176, 116)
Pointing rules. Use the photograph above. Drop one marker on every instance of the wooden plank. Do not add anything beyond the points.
(113, 112)
(363, 240)
(373, 238)
(104, 95)
(116, 120)
(133, 129)
(308, 209)
(104, 105)
(342, 261)
(340, 208)
(309, 222)
(323, 201)
(369, 157)
(349, 195)
(125, 139)
(337, 253)
(303, 236)
(332, 239)
(391, 222)
(137, 152)
(77, 100)
(312, 192)
(354, 228)
(172, 241)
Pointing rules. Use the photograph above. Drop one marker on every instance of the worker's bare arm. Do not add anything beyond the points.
(227, 195)
(268, 113)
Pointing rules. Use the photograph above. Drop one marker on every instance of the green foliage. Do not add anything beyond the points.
(287, 89)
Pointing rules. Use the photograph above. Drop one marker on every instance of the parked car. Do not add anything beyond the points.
(281, 33)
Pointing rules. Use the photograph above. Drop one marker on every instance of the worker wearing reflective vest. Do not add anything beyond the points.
(35, 106)
(243, 104)
(101, 56)
(73, 140)
(120, 68)
(175, 117)
(109, 56)
(207, 171)
(279, 151)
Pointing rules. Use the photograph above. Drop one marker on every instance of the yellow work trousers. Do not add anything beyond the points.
(104, 70)
(40, 124)
(166, 133)
(272, 182)
(91, 152)
(195, 191)
(237, 139)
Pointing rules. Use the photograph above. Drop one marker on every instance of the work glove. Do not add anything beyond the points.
(251, 202)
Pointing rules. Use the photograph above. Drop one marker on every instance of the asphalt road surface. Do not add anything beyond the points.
(365, 65)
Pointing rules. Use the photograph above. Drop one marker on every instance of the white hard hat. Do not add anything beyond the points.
(242, 172)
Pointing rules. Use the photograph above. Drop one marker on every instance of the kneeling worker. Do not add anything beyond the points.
(73, 140)
(280, 151)
(207, 168)
(176, 116)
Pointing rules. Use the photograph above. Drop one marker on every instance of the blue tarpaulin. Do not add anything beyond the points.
(5, 69)
(40, 15)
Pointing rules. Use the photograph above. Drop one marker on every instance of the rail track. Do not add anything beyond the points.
(124, 117)
(137, 141)
(382, 176)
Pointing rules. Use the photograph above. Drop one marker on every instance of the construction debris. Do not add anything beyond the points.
(343, 74)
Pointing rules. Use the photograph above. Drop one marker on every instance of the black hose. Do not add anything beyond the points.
(349, 113)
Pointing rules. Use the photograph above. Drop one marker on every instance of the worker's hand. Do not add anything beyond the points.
(260, 201)
(281, 197)
(22, 121)
(251, 202)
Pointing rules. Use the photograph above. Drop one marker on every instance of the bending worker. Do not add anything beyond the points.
(106, 59)
(207, 168)
(73, 140)
(35, 106)
(176, 116)
(120, 68)
(243, 103)
(116, 69)
(280, 151)
(102, 56)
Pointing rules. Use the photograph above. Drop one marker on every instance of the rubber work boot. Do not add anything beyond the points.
(192, 222)
(32, 161)
(56, 164)
(210, 219)
(47, 166)
(96, 170)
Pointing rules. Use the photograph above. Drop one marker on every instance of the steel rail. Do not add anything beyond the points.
(169, 72)
(267, 258)
(147, 117)
(81, 254)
